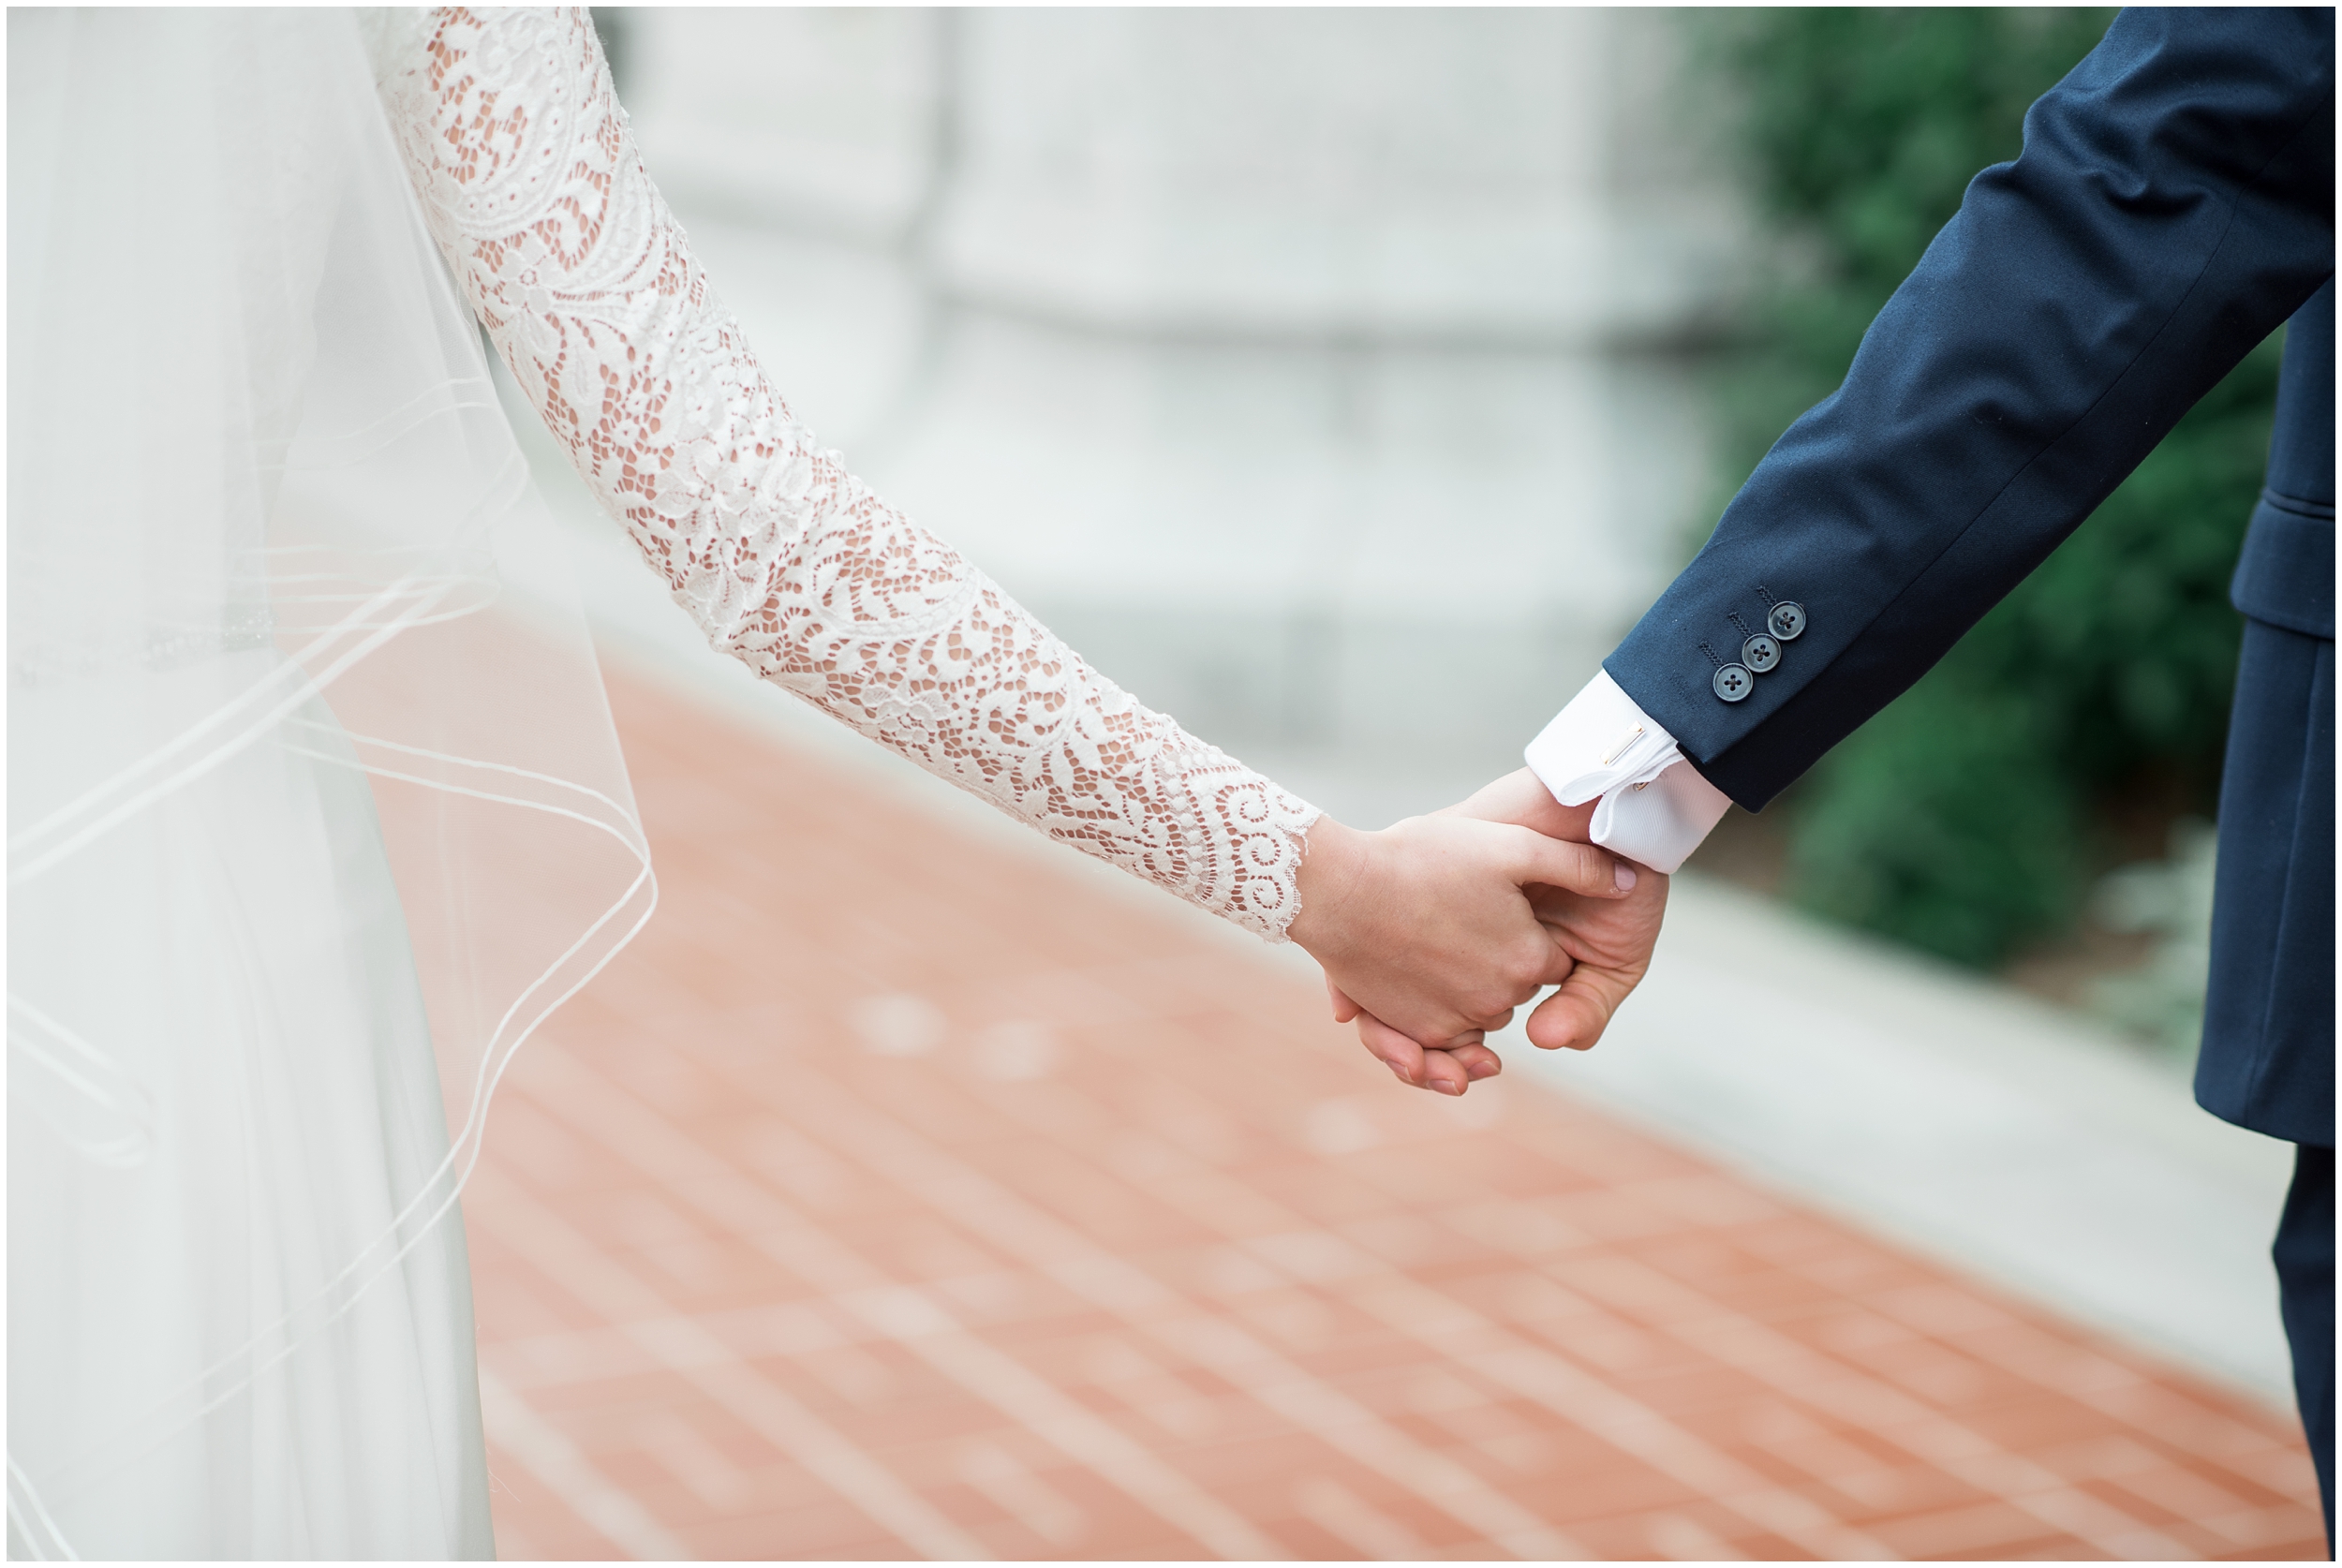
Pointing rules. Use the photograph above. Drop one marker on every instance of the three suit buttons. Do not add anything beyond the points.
(1760, 652)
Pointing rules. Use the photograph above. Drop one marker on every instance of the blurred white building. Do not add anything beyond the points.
(1316, 372)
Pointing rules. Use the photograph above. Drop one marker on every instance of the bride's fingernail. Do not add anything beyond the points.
(1623, 874)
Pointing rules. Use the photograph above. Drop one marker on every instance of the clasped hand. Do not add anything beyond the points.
(1435, 930)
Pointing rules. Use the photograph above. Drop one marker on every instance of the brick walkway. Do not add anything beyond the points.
(896, 1196)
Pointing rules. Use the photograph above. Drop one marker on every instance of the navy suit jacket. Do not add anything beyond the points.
(2174, 204)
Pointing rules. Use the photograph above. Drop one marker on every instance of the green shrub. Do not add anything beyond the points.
(1964, 818)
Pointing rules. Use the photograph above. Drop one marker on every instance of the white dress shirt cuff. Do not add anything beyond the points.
(1655, 807)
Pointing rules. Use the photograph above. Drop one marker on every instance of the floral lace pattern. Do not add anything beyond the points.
(531, 183)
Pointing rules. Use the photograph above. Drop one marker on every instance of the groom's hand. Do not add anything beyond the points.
(1608, 941)
(1427, 922)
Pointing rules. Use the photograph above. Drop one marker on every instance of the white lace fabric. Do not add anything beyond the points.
(530, 181)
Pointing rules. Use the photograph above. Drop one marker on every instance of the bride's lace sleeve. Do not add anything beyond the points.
(531, 183)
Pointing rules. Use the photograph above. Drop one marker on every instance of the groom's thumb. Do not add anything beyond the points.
(1576, 867)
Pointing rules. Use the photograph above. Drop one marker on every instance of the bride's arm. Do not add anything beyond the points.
(531, 183)
(588, 289)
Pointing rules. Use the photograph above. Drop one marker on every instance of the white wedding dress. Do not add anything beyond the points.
(315, 811)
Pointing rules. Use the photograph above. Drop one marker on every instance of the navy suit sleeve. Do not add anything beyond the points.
(2172, 205)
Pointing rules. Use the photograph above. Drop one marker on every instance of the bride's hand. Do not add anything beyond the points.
(1427, 925)
(1607, 939)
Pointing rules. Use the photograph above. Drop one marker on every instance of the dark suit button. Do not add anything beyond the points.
(1733, 682)
(1760, 652)
(1787, 620)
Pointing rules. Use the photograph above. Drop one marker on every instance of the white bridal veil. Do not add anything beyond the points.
(315, 811)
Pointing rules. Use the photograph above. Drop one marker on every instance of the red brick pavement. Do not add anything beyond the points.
(896, 1195)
